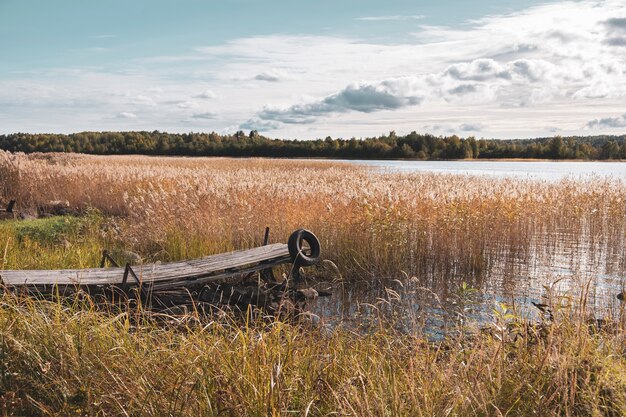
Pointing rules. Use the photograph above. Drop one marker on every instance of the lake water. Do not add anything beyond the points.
(547, 170)
(435, 304)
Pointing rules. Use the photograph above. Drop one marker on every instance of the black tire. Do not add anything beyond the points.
(292, 242)
(296, 251)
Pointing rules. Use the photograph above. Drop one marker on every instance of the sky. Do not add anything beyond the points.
(311, 69)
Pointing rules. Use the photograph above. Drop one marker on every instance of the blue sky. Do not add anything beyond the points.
(306, 69)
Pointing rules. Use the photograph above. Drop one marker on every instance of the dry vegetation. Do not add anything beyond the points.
(72, 359)
(373, 225)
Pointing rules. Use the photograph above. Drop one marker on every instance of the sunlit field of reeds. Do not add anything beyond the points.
(450, 236)
(372, 225)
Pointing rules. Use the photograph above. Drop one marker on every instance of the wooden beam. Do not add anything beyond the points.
(153, 273)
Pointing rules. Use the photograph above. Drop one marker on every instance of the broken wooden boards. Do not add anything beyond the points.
(158, 276)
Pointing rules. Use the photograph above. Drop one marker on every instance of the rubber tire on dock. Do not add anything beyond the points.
(295, 247)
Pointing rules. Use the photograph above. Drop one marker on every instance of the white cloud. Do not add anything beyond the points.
(392, 17)
(479, 81)
(470, 127)
(608, 123)
(617, 41)
(478, 70)
(256, 123)
(207, 95)
(554, 53)
(617, 31)
(361, 97)
(187, 105)
(559, 64)
(267, 76)
(127, 115)
(205, 115)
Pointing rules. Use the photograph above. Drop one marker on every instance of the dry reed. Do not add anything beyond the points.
(68, 358)
(372, 224)
(60, 359)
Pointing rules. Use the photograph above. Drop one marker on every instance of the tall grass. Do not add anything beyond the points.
(373, 224)
(69, 359)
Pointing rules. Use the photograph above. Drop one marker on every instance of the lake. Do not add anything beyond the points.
(546, 170)
(561, 264)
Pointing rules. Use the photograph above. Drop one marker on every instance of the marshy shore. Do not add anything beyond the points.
(450, 235)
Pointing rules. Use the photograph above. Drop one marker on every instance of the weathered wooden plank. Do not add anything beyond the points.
(215, 277)
(172, 271)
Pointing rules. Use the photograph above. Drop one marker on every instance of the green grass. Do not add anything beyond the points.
(48, 230)
(51, 243)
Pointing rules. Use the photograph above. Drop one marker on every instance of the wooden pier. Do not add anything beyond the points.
(191, 276)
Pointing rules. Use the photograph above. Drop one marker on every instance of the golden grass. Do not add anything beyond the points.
(371, 224)
(68, 359)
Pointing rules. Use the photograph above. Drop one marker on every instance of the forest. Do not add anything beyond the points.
(252, 144)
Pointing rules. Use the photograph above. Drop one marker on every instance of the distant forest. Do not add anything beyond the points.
(391, 146)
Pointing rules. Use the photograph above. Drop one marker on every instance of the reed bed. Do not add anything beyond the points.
(71, 357)
(66, 358)
(371, 224)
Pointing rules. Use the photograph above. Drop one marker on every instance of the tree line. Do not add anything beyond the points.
(390, 146)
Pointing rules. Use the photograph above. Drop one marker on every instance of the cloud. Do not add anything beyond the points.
(360, 97)
(206, 95)
(617, 30)
(272, 75)
(608, 123)
(385, 18)
(477, 81)
(206, 115)
(470, 127)
(126, 115)
(463, 89)
(186, 104)
(618, 23)
(555, 64)
(478, 70)
(563, 36)
(616, 41)
(256, 123)
(267, 76)
(533, 70)
(486, 69)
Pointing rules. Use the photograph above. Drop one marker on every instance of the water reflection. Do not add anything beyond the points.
(546, 170)
(559, 267)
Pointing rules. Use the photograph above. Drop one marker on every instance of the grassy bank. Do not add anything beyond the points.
(60, 359)
(72, 358)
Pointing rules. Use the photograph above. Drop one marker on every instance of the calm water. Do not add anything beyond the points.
(548, 170)
(434, 303)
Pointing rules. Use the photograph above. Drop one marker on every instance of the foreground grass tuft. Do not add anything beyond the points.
(70, 359)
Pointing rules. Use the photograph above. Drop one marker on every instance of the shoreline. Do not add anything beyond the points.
(329, 159)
